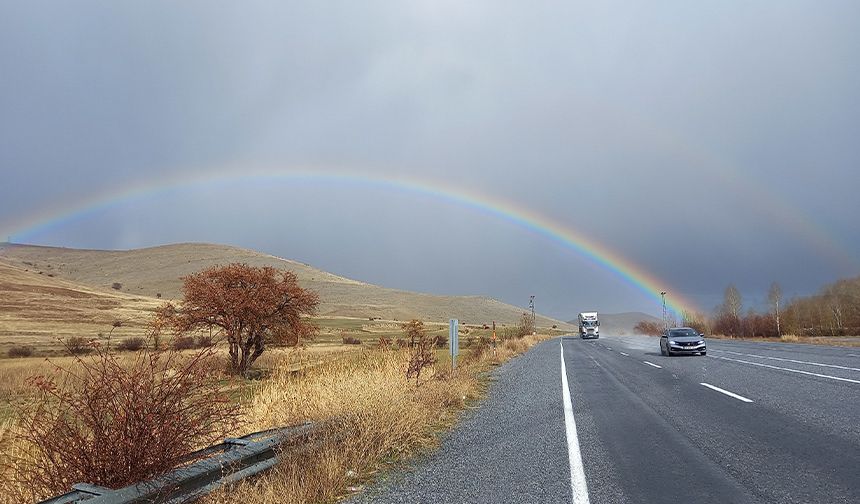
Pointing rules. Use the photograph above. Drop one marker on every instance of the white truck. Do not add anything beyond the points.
(589, 325)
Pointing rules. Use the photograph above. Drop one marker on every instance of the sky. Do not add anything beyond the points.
(707, 143)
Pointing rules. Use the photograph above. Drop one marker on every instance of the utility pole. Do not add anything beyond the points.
(532, 307)
(665, 319)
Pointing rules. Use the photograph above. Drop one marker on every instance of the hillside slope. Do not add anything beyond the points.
(39, 308)
(157, 271)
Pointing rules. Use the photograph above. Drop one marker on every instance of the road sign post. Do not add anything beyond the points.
(454, 340)
(494, 339)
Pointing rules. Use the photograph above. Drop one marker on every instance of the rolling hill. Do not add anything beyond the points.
(154, 272)
(40, 308)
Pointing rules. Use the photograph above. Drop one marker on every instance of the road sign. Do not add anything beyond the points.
(454, 340)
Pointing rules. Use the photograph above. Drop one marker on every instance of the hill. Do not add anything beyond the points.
(156, 271)
(619, 324)
(39, 308)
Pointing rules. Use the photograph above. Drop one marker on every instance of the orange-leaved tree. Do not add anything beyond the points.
(249, 306)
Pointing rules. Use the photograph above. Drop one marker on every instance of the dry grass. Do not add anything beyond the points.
(380, 417)
(838, 341)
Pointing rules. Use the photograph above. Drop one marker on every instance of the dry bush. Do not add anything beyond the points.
(112, 423)
(205, 341)
(77, 345)
(726, 324)
(420, 347)
(131, 344)
(648, 327)
(351, 340)
(526, 326)
(383, 343)
(183, 343)
(441, 340)
(20, 351)
(478, 349)
(116, 286)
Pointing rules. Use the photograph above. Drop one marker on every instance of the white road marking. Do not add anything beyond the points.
(853, 355)
(791, 360)
(577, 474)
(789, 369)
(723, 391)
(652, 364)
(609, 348)
(624, 354)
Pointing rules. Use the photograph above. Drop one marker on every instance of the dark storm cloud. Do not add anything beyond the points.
(707, 142)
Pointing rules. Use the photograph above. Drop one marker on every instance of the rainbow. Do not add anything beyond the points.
(636, 276)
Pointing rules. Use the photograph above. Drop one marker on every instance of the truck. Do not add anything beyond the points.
(589, 325)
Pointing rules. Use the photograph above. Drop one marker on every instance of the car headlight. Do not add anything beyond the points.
(672, 342)
(701, 342)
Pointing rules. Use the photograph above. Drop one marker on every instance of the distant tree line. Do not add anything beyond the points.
(833, 311)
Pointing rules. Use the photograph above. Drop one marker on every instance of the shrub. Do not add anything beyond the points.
(116, 286)
(131, 344)
(77, 345)
(441, 340)
(21, 351)
(183, 343)
(421, 349)
(478, 348)
(525, 327)
(205, 341)
(114, 422)
(402, 343)
(349, 340)
(648, 327)
(158, 295)
(383, 342)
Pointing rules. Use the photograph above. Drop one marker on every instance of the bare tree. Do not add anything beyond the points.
(728, 319)
(732, 301)
(774, 297)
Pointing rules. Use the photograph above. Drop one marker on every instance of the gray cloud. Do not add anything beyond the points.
(708, 143)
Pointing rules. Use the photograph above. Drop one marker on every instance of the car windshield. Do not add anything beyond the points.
(683, 333)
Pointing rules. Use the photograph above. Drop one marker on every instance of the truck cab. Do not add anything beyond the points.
(589, 325)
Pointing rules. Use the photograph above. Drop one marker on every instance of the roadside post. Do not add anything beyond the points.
(494, 339)
(454, 340)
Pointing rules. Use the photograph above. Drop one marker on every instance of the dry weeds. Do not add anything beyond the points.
(379, 417)
(373, 414)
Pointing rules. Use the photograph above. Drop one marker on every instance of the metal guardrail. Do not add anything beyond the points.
(207, 469)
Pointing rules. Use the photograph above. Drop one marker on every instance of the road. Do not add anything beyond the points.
(750, 422)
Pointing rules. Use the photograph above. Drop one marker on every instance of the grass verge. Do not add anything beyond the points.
(837, 341)
(380, 417)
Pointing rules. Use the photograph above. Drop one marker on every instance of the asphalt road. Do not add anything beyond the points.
(750, 422)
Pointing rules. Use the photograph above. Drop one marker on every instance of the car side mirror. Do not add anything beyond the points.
(701, 335)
